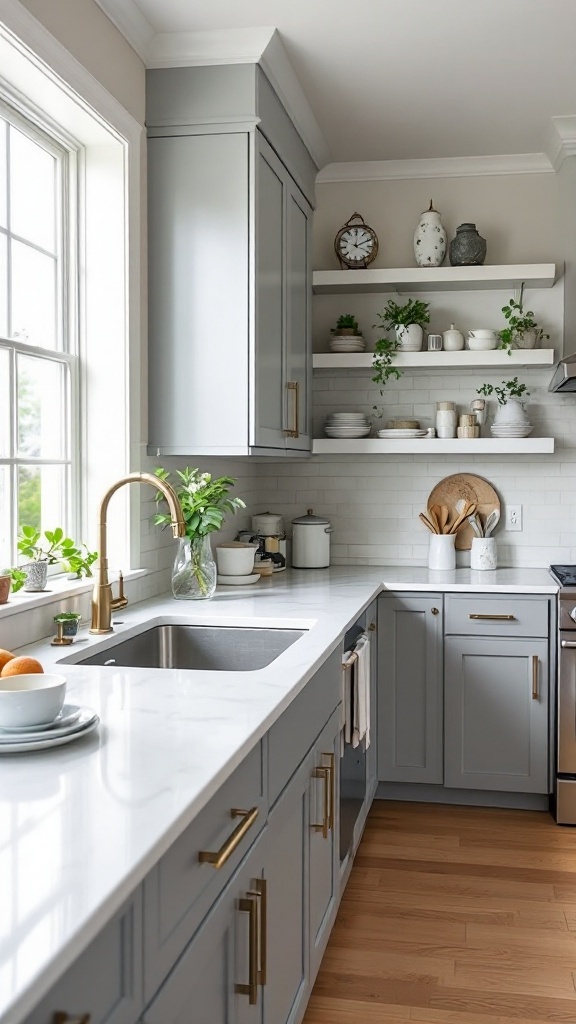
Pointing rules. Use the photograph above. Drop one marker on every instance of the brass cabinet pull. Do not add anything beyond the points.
(323, 772)
(332, 789)
(293, 388)
(535, 668)
(219, 857)
(435, 611)
(494, 618)
(260, 893)
(248, 905)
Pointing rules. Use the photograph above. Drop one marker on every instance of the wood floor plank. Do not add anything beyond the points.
(454, 915)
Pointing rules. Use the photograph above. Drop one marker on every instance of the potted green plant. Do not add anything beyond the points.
(511, 395)
(205, 502)
(346, 336)
(407, 321)
(70, 620)
(522, 330)
(49, 548)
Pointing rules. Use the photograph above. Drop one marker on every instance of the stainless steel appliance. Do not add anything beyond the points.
(564, 377)
(565, 783)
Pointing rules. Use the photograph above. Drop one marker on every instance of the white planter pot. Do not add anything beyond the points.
(512, 412)
(525, 340)
(410, 338)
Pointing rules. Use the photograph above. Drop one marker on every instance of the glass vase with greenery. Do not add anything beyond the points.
(205, 503)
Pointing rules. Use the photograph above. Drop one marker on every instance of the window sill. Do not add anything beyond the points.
(59, 587)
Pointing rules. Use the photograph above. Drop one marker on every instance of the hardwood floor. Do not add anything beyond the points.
(454, 915)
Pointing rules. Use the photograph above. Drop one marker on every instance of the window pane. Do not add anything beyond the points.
(41, 410)
(5, 553)
(4, 407)
(3, 287)
(33, 296)
(32, 191)
(42, 496)
(3, 175)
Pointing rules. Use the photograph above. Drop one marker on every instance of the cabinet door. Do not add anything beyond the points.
(324, 830)
(298, 320)
(410, 690)
(209, 983)
(496, 714)
(286, 986)
(269, 321)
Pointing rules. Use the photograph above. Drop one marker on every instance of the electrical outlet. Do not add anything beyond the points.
(514, 517)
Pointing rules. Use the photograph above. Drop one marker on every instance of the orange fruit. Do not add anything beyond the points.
(5, 657)
(20, 666)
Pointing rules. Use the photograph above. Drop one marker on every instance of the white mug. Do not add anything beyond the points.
(441, 553)
(434, 342)
(483, 553)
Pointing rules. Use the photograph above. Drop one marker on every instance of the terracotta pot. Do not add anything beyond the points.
(5, 584)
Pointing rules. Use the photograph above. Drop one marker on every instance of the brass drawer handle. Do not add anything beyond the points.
(535, 668)
(332, 789)
(323, 772)
(494, 618)
(293, 388)
(248, 905)
(260, 893)
(219, 857)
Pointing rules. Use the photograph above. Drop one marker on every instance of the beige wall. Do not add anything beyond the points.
(517, 214)
(83, 28)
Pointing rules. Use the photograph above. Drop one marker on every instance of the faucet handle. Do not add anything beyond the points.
(121, 601)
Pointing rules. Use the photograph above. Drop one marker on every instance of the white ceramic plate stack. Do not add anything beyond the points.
(511, 430)
(351, 343)
(401, 434)
(72, 723)
(347, 424)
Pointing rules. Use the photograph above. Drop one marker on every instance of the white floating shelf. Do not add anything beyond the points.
(434, 446)
(427, 279)
(438, 360)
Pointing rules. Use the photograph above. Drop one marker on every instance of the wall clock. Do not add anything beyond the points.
(356, 244)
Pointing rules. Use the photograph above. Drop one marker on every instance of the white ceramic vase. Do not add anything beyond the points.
(410, 338)
(441, 553)
(430, 239)
(512, 413)
(483, 553)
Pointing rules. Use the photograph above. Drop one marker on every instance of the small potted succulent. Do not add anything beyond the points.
(522, 330)
(70, 621)
(346, 336)
(407, 321)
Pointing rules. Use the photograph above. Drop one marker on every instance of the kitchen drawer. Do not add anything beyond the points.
(497, 615)
(291, 737)
(180, 890)
(105, 982)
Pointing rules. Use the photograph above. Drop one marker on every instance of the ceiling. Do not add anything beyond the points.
(412, 79)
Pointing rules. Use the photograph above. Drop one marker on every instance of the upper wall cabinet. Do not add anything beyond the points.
(230, 192)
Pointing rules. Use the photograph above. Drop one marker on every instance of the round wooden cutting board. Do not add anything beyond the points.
(472, 488)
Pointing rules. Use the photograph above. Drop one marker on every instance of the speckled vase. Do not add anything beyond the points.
(467, 248)
(430, 239)
(36, 576)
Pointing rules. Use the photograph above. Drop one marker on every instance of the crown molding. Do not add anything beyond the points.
(562, 139)
(127, 17)
(447, 167)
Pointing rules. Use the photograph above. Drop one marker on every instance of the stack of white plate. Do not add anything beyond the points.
(511, 430)
(400, 434)
(352, 343)
(347, 424)
(72, 723)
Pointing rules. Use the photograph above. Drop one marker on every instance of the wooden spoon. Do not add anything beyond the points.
(432, 517)
(443, 517)
(427, 522)
(466, 511)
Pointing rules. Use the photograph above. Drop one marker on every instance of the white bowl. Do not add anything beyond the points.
(33, 699)
(235, 559)
(482, 344)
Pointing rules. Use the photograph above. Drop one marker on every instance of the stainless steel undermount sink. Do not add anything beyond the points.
(209, 648)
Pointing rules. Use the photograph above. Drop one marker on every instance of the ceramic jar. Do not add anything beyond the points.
(467, 248)
(445, 419)
(430, 239)
(442, 553)
(452, 340)
(483, 553)
(36, 576)
(512, 413)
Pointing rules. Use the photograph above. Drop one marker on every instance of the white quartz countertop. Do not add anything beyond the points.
(82, 824)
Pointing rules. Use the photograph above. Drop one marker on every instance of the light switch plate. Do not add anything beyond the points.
(514, 517)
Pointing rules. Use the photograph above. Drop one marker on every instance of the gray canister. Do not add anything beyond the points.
(311, 541)
(467, 248)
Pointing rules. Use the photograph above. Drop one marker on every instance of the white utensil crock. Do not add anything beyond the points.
(311, 542)
(268, 524)
(483, 553)
(441, 553)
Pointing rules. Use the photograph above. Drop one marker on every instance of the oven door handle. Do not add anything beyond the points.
(567, 643)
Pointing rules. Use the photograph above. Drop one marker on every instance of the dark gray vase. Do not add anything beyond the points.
(467, 248)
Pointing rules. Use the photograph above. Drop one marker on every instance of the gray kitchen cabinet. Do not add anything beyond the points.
(496, 714)
(410, 691)
(323, 838)
(229, 267)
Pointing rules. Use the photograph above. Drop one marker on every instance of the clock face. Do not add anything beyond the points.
(356, 245)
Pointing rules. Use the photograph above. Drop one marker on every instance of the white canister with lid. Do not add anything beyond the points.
(445, 419)
(268, 524)
(311, 541)
(452, 340)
